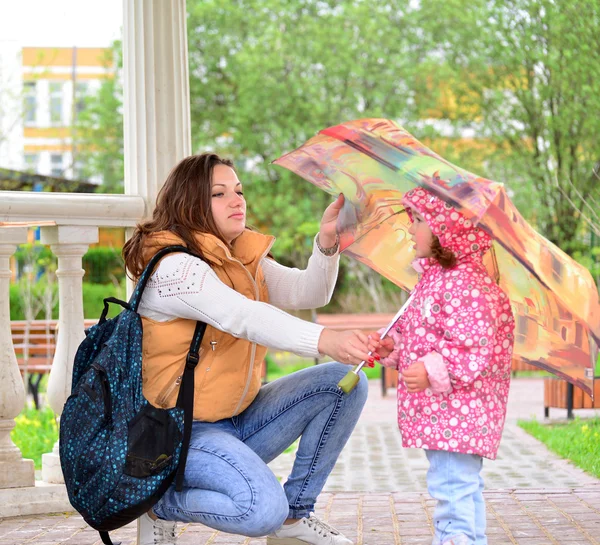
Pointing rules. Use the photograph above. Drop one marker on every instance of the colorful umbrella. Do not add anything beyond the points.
(373, 162)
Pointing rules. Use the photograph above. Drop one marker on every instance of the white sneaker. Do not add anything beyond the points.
(155, 532)
(308, 531)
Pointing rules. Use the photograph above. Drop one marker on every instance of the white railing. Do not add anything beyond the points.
(157, 135)
(77, 220)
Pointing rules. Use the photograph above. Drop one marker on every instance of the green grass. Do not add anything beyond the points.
(578, 441)
(35, 433)
(281, 364)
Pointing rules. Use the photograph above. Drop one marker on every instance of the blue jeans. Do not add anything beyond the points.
(455, 481)
(228, 485)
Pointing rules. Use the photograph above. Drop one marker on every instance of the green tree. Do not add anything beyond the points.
(99, 128)
(529, 68)
(266, 75)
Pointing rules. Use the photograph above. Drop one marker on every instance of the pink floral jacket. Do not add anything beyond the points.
(460, 324)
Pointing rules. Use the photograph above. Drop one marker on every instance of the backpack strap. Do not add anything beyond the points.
(136, 296)
(185, 399)
(105, 537)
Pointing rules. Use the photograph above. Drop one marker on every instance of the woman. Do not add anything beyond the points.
(235, 286)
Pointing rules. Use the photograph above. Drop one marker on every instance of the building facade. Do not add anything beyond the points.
(44, 90)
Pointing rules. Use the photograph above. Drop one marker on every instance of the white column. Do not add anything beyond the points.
(69, 244)
(14, 470)
(156, 98)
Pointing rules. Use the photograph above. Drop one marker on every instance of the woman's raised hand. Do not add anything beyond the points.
(348, 346)
(327, 231)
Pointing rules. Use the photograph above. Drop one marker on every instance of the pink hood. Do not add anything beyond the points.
(455, 232)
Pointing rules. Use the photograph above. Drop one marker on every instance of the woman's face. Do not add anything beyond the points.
(421, 235)
(228, 205)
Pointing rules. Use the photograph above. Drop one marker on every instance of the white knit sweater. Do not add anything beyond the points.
(215, 303)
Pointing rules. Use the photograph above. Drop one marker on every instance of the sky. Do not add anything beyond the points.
(61, 23)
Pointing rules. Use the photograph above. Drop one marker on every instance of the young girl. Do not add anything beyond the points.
(453, 348)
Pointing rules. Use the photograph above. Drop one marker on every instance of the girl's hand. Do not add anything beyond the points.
(348, 347)
(382, 347)
(327, 231)
(416, 378)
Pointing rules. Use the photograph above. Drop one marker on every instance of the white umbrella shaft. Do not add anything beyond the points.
(357, 369)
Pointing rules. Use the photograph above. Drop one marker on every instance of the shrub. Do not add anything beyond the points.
(93, 295)
(35, 433)
(103, 265)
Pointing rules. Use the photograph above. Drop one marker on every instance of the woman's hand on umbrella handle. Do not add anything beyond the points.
(348, 346)
(327, 231)
(383, 347)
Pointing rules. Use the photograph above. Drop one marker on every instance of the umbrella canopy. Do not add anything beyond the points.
(373, 162)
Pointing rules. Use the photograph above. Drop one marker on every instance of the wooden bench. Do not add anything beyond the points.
(34, 343)
(560, 394)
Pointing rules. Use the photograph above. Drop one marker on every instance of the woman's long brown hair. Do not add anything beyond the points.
(183, 207)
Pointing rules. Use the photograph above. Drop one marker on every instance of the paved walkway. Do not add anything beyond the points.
(376, 494)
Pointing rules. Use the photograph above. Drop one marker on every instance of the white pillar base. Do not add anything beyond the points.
(17, 474)
(40, 499)
(51, 470)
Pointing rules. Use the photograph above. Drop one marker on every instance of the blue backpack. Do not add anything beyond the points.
(118, 453)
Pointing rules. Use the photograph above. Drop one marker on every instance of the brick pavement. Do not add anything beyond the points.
(374, 459)
(521, 517)
(533, 497)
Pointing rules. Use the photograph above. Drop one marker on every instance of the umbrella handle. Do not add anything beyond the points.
(349, 382)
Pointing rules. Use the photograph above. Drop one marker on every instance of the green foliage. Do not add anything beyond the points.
(103, 264)
(265, 75)
(98, 148)
(35, 433)
(590, 260)
(578, 441)
(38, 291)
(33, 255)
(282, 364)
(93, 296)
(526, 69)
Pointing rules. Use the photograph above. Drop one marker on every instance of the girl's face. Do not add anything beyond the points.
(228, 205)
(421, 235)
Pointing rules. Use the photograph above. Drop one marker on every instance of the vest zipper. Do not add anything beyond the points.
(169, 391)
(253, 351)
(162, 400)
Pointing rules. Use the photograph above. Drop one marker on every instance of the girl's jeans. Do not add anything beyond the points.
(455, 481)
(227, 483)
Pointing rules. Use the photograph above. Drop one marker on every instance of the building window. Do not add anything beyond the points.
(31, 161)
(81, 91)
(56, 102)
(56, 165)
(29, 102)
(78, 170)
